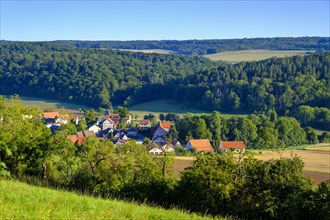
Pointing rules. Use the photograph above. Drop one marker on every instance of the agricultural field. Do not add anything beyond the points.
(49, 103)
(150, 51)
(22, 201)
(253, 55)
(316, 161)
(166, 106)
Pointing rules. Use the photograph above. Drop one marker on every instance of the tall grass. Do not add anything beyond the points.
(22, 201)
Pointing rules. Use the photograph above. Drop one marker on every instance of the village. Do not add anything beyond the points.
(154, 138)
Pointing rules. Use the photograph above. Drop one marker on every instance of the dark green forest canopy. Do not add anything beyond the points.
(97, 77)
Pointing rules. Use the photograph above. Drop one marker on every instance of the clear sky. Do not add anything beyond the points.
(160, 20)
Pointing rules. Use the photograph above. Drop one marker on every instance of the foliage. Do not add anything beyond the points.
(250, 188)
(24, 139)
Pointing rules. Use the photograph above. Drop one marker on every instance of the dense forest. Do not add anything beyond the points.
(201, 47)
(103, 77)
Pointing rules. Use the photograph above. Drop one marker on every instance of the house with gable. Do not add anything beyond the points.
(50, 117)
(160, 132)
(108, 123)
(201, 145)
(143, 124)
(80, 136)
(94, 128)
(237, 146)
(155, 150)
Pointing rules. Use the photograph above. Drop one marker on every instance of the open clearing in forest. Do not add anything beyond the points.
(316, 162)
(164, 106)
(50, 103)
(161, 51)
(253, 55)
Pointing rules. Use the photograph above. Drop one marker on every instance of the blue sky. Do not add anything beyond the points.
(159, 20)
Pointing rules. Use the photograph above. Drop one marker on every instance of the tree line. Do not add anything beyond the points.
(201, 47)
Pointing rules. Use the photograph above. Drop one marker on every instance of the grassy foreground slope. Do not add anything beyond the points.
(22, 201)
(253, 55)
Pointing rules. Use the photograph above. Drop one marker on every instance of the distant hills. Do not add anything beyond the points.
(202, 47)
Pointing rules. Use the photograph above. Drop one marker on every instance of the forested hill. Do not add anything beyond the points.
(91, 76)
(201, 47)
(97, 77)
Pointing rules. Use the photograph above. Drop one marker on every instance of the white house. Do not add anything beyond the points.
(107, 123)
(160, 132)
(237, 146)
(155, 150)
(144, 124)
(94, 128)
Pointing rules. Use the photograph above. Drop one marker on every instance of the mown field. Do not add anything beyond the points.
(22, 201)
(50, 103)
(167, 106)
(150, 51)
(316, 161)
(253, 55)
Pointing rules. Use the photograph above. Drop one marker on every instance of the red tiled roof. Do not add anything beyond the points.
(50, 114)
(73, 138)
(74, 117)
(144, 122)
(165, 124)
(113, 116)
(201, 145)
(232, 144)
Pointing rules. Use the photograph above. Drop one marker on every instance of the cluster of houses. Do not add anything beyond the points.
(108, 128)
(54, 120)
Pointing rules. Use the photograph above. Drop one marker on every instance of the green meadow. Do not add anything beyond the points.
(253, 55)
(22, 201)
(50, 103)
(150, 51)
(164, 106)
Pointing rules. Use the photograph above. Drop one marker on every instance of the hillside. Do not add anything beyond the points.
(22, 201)
(201, 47)
(96, 78)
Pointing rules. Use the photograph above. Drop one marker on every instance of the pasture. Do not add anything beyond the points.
(166, 106)
(253, 55)
(161, 51)
(50, 103)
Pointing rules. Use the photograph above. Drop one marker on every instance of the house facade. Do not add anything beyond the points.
(237, 146)
(108, 123)
(160, 132)
(144, 124)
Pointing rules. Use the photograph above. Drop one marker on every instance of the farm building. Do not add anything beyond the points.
(237, 146)
(201, 145)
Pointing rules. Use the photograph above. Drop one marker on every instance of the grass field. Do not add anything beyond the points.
(166, 106)
(50, 103)
(22, 201)
(253, 55)
(150, 51)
